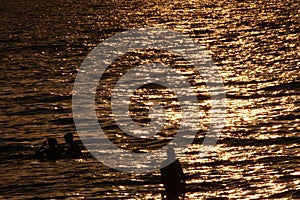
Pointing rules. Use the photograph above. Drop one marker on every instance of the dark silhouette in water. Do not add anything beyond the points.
(53, 151)
(73, 149)
(172, 176)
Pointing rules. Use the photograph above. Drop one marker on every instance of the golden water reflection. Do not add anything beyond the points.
(255, 45)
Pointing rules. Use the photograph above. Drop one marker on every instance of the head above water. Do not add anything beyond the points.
(52, 142)
(68, 137)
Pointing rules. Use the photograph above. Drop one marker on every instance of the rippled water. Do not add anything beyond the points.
(255, 45)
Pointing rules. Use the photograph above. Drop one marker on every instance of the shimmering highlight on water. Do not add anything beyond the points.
(255, 45)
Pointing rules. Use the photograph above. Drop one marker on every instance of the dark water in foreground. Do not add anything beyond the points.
(255, 45)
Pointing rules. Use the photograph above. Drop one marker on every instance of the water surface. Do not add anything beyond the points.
(255, 45)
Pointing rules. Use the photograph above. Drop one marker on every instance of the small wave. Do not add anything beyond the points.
(290, 193)
(284, 86)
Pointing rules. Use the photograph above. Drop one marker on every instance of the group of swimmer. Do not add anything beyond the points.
(172, 175)
(50, 149)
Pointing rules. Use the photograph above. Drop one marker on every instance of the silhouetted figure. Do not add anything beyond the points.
(172, 176)
(53, 151)
(73, 150)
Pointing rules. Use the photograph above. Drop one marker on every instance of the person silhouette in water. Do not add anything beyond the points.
(172, 176)
(73, 149)
(53, 151)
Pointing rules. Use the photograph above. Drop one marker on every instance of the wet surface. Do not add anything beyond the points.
(255, 45)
